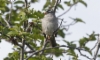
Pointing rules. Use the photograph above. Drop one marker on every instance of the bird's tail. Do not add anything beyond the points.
(53, 41)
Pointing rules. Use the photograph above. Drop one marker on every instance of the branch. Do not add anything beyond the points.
(98, 46)
(58, 27)
(8, 22)
(72, 23)
(29, 47)
(22, 50)
(83, 54)
(58, 1)
(44, 46)
(11, 38)
(52, 48)
(46, 41)
(95, 45)
(67, 10)
(26, 4)
(23, 40)
(8, 25)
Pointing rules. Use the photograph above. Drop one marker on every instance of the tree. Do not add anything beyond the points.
(26, 36)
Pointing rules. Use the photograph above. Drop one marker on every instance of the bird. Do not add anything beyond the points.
(49, 26)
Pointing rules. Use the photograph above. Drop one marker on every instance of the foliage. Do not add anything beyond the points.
(16, 27)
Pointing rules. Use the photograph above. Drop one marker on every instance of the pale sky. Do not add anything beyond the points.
(90, 15)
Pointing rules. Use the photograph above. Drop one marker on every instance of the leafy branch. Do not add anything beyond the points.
(36, 52)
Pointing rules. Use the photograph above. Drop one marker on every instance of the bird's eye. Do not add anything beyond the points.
(48, 11)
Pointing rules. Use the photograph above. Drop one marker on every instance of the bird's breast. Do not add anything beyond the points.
(49, 25)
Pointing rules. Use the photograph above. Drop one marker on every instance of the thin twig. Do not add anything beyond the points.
(68, 26)
(83, 54)
(67, 10)
(96, 52)
(95, 45)
(58, 27)
(44, 46)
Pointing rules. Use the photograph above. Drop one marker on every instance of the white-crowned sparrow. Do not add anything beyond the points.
(49, 25)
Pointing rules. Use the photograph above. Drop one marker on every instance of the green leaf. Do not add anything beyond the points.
(19, 2)
(88, 50)
(5, 30)
(3, 9)
(47, 4)
(74, 1)
(77, 19)
(99, 55)
(60, 6)
(71, 52)
(61, 33)
(33, 1)
(12, 33)
(83, 41)
(84, 3)
(38, 14)
(67, 3)
(13, 56)
(2, 3)
(92, 36)
(57, 52)
(33, 58)
(70, 44)
(53, 2)
(22, 15)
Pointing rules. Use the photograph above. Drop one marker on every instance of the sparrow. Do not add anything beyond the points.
(49, 26)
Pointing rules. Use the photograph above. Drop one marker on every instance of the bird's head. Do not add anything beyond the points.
(49, 12)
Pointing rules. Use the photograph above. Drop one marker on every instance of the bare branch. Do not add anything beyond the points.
(68, 25)
(67, 10)
(95, 45)
(84, 55)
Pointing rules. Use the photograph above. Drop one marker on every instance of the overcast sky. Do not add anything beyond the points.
(91, 15)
